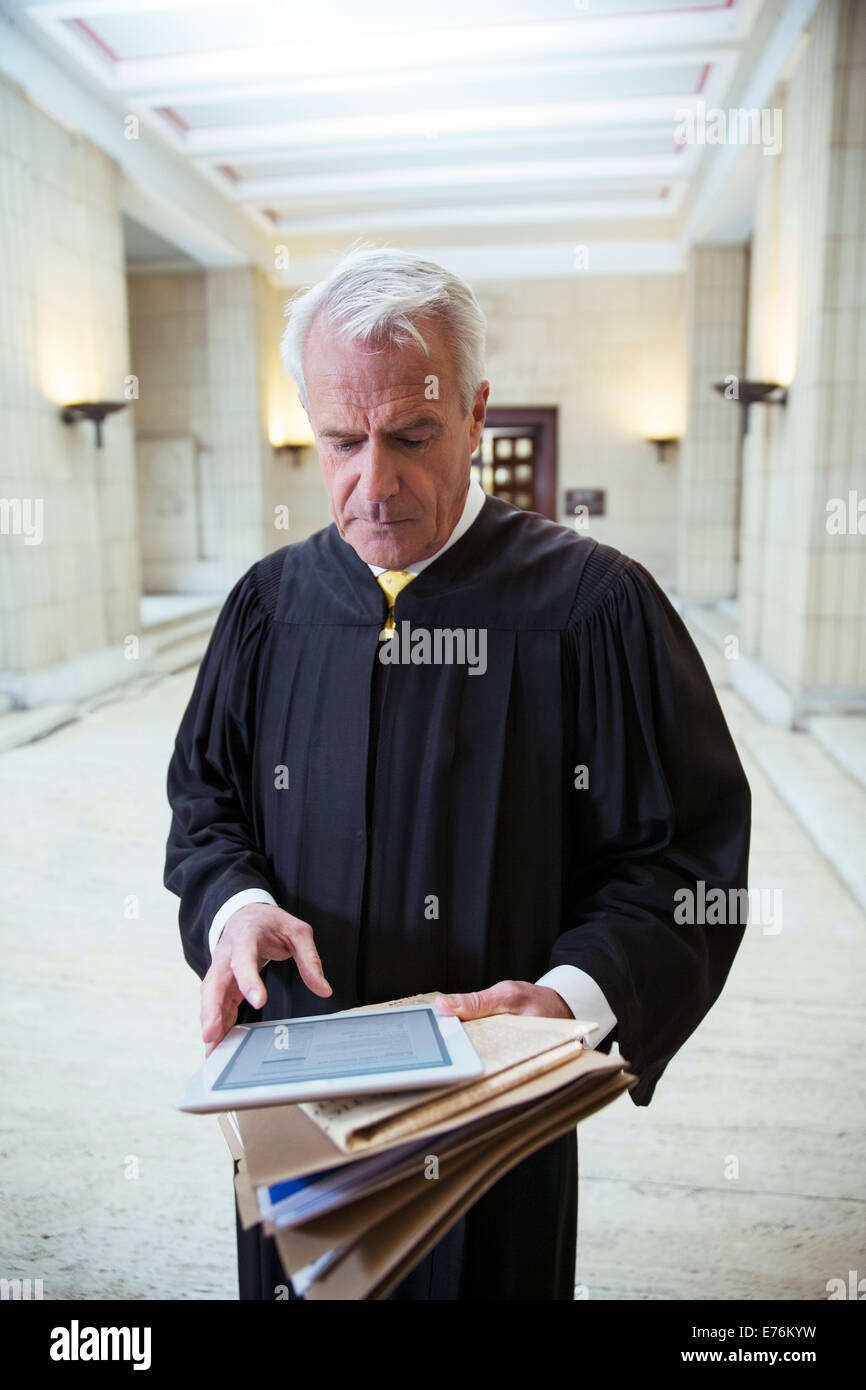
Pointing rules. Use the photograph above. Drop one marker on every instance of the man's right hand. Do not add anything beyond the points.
(253, 935)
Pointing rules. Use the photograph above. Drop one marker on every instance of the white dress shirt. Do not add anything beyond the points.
(579, 991)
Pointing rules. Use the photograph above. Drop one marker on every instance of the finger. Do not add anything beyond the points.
(216, 1027)
(219, 1033)
(300, 935)
(245, 968)
(220, 1013)
(216, 987)
(501, 998)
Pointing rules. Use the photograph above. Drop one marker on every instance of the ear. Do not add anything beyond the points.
(479, 414)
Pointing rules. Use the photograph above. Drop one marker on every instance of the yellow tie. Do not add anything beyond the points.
(391, 582)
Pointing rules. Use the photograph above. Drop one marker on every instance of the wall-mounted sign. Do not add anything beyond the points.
(589, 499)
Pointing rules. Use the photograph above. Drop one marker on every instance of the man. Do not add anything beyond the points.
(351, 826)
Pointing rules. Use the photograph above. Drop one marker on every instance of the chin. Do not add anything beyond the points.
(391, 551)
(386, 558)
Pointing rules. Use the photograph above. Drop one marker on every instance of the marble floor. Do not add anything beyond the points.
(161, 608)
(743, 1179)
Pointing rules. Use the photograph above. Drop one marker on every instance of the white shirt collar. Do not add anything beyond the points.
(475, 499)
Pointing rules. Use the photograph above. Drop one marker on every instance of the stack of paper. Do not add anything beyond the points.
(357, 1190)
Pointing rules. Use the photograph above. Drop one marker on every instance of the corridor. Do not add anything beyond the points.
(742, 1179)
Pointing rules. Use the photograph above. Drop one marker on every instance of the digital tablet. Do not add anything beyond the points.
(343, 1054)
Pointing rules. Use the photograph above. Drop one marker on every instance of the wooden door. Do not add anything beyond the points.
(516, 459)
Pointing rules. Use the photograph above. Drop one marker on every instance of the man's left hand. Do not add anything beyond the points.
(508, 997)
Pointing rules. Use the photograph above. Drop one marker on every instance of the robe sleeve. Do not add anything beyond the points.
(211, 852)
(667, 805)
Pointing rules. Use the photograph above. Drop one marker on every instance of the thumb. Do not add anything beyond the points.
(468, 1006)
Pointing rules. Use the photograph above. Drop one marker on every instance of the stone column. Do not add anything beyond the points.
(804, 595)
(708, 496)
(69, 563)
(238, 419)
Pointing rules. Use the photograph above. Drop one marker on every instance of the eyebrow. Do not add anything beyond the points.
(421, 422)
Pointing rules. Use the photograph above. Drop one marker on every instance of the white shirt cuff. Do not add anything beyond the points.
(249, 895)
(583, 997)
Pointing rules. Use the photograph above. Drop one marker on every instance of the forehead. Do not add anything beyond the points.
(338, 371)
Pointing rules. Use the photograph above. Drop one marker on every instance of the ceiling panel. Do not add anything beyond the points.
(480, 114)
(182, 29)
(469, 92)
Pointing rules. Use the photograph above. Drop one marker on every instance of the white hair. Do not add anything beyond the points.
(375, 296)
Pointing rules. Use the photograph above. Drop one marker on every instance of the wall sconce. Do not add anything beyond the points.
(292, 450)
(90, 410)
(752, 393)
(662, 445)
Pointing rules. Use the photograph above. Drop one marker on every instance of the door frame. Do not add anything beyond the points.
(546, 419)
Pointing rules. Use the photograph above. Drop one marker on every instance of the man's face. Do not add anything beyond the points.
(393, 442)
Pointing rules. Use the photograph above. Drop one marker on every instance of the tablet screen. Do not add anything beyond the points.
(335, 1047)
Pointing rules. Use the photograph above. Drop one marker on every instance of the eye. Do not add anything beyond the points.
(344, 445)
(413, 443)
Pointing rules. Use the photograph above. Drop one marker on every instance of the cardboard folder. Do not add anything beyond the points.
(395, 1227)
(281, 1141)
(319, 1234)
(390, 1250)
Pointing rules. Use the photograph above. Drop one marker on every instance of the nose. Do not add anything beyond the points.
(378, 480)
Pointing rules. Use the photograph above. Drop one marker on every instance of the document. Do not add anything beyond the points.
(513, 1049)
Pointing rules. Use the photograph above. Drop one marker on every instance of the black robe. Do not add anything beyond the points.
(437, 831)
